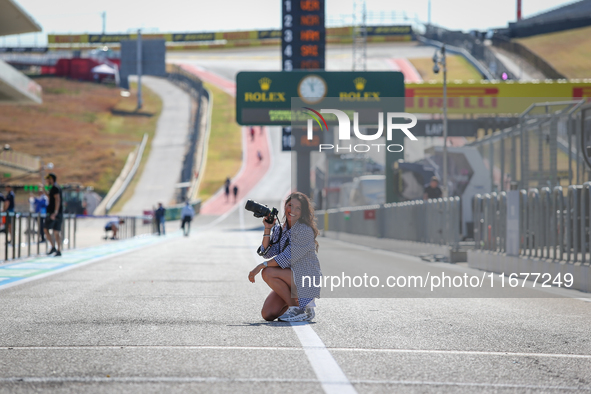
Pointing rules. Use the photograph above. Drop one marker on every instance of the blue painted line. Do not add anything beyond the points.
(23, 271)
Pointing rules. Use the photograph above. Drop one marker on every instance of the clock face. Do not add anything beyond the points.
(312, 89)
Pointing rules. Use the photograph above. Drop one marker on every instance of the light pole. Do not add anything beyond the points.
(439, 59)
(139, 70)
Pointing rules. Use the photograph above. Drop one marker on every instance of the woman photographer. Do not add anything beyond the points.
(292, 248)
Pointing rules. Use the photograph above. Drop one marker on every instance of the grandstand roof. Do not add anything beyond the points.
(576, 9)
(14, 20)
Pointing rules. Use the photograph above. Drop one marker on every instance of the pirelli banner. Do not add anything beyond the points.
(54, 39)
(492, 98)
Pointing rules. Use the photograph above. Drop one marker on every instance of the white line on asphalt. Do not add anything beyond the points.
(327, 370)
(309, 346)
(182, 379)
(329, 374)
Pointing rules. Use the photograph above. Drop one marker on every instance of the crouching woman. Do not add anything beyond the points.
(293, 271)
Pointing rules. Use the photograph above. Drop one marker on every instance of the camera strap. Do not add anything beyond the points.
(261, 252)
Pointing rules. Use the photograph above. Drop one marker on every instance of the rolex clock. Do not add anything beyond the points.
(312, 89)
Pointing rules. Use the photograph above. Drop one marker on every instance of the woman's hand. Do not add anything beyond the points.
(254, 272)
(268, 226)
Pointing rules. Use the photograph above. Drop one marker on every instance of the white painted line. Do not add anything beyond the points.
(182, 379)
(329, 374)
(312, 346)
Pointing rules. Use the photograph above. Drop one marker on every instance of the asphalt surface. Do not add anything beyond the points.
(179, 315)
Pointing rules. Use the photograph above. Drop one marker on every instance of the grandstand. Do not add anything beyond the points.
(570, 16)
(15, 87)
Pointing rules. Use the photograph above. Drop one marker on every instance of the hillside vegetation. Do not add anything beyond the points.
(457, 68)
(569, 52)
(85, 129)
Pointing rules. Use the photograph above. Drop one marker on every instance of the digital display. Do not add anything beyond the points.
(303, 35)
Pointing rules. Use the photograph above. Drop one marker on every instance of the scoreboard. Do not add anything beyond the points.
(303, 35)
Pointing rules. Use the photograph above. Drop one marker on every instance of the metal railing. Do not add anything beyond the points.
(539, 151)
(194, 87)
(435, 221)
(23, 233)
(552, 224)
(133, 226)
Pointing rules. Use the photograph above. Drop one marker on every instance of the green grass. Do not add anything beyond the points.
(224, 155)
(85, 129)
(569, 52)
(457, 68)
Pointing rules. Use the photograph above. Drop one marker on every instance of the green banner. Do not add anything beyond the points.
(264, 98)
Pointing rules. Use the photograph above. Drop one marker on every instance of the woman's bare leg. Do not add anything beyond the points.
(279, 280)
(273, 307)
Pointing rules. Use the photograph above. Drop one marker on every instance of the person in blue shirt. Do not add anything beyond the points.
(187, 214)
(41, 202)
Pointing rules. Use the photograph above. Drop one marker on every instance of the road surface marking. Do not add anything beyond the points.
(311, 345)
(182, 379)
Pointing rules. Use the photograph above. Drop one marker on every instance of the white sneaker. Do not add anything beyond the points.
(293, 313)
(309, 313)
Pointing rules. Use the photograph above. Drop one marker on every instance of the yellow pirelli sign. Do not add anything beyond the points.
(492, 98)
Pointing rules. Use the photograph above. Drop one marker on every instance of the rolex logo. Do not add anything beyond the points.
(265, 83)
(359, 83)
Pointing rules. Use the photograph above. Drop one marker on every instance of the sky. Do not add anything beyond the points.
(75, 16)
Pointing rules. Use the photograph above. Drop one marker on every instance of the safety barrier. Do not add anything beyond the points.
(194, 87)
(543, 149)
(435, 221)
(23, 232)
(552, 225)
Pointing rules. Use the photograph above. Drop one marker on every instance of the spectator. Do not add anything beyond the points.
(55, 209)
(251, 133)
(113, 226)
(432, 190)
(235, 190)
(41, 202)
(160, 214)
(187, 214)
(227, 188)
(9, 208)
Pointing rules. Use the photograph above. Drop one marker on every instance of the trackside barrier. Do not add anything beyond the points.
(553, 225)
(22, 232)
(435, 221)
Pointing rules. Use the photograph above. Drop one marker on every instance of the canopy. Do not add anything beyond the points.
(103, 69)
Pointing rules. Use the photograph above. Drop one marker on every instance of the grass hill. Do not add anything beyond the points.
(569, 52)
(85, 129)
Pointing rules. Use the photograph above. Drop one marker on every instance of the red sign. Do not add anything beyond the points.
(369, 214)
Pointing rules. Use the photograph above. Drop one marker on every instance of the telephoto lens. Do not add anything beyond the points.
(259, 210)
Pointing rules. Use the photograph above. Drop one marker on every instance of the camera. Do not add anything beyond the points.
(261, 210)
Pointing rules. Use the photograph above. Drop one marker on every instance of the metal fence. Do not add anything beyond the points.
(475, 46)
(543, 150)
(194, 87)
(434, 221)
(23, 232)
(552, 224)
